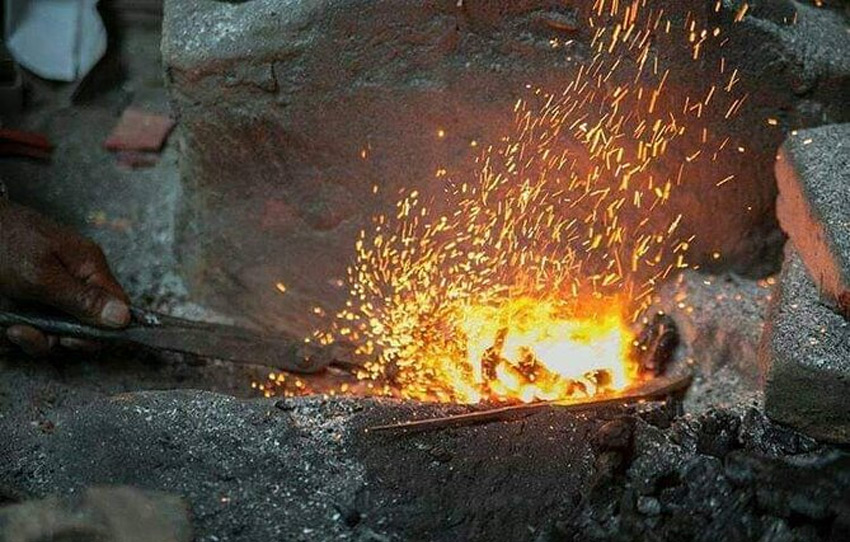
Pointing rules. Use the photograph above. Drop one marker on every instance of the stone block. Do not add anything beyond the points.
(290, 112)
(813, 206)
(805, 353)
(103, 514)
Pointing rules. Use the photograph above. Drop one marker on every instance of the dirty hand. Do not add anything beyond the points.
(43, 262)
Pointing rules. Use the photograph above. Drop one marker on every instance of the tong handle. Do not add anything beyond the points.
(60, 325)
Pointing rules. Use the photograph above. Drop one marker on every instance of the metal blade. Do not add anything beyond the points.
(224, 344)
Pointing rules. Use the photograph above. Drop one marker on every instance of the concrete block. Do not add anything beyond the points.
(805, 353)
(813, 174)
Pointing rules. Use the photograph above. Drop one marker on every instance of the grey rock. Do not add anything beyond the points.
(778, 531)
(648, 506)
(813, 174)
(805, 353)
(277, 99)
(657, 458)
(102, 514)
(718, 433)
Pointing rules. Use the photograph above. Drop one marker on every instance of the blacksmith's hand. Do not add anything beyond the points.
(43, 262)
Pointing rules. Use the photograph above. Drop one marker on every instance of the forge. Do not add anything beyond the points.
(571, 270)
(429, 181)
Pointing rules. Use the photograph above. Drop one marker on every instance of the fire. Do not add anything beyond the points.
(522, 283)
(526, 351)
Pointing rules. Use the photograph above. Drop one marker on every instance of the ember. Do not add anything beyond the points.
(525, 350)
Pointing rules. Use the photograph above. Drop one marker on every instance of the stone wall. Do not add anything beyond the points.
(291, 111)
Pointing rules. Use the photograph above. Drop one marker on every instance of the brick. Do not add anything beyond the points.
(139, 130)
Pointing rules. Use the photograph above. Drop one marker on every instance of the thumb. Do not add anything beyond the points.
(89, 302)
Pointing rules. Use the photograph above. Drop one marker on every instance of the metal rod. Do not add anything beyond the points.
(658, 387)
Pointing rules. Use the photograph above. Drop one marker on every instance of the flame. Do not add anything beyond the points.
(521, 283)
(525, 350)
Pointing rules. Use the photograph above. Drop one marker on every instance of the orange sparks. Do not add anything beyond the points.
(742, 12)
(523, 282)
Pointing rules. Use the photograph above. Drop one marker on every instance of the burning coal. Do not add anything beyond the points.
(523, 283)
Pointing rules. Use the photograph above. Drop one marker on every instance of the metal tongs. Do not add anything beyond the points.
(206, 340)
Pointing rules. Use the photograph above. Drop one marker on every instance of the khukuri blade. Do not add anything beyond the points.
(656, 388)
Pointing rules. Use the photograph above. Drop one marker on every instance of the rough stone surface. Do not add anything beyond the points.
(305, 469)
(102, 514)
(805, 353)
(813, 174)
(278, 101)
(720, 319)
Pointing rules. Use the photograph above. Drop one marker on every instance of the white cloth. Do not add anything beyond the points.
(55, 39)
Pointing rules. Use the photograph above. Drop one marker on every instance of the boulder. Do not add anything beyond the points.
(813, 174)
(292, 112)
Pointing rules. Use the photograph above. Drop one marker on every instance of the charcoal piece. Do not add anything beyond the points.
(529, 366)
(493, 355)
(349, 514)
(615, 435)
(603, 378)
(656, 344)
(663, 416)
(648, 506)
(740, 468)
(718, 433)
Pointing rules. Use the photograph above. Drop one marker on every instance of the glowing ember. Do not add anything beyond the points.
(525, 350)
(521, 284)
